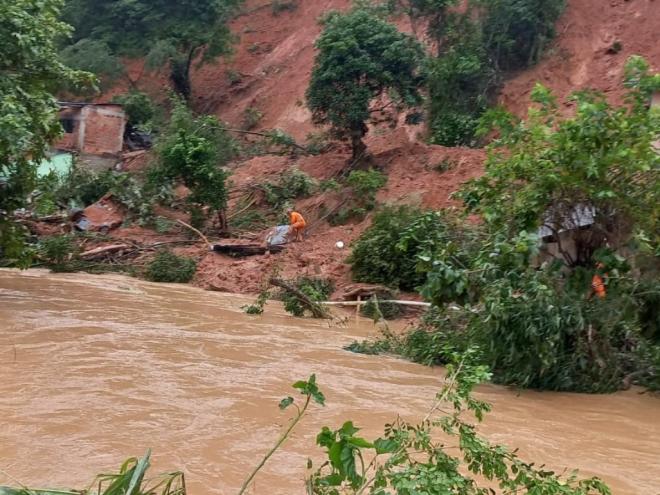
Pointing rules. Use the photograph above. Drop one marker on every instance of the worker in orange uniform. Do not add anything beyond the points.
(598, 283)
(297, 224)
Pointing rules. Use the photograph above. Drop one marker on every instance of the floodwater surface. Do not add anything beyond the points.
(94, 369)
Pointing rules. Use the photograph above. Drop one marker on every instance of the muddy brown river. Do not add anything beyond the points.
(94, 369)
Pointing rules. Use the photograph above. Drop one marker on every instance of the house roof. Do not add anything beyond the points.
(579, 216)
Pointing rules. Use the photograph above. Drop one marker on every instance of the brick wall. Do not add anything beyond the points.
(103, 131)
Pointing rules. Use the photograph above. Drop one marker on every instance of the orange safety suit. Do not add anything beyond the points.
(598, 286)
(297, 223)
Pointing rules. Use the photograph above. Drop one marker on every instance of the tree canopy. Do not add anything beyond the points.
(30, 73)
(360, 58)
(168, 32)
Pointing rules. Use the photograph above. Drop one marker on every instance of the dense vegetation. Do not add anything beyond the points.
(474, 50)
(387, 253)
(30, 73)
(530, 309)
(168, 267)
(169, 33)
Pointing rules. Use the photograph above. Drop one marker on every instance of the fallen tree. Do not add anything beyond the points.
(317, 310)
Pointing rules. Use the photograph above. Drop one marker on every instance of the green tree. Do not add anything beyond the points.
(461, 82)
(171, 33)
(517, 31)
(360, 58)
(30, 73)
(434, 12)
(140, 109)
(192, 150)
(94, 56)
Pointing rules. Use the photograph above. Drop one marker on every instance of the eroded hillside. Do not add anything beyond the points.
(268, 75)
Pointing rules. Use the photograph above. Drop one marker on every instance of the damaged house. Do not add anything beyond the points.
(94, 131)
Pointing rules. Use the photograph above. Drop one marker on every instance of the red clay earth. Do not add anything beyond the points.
(269, 72)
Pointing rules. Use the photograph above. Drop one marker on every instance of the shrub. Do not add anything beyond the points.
(140, 109)
(317, 142)
(316, 289)
(58, 251)
(440, 336)
(365, 184)
(389, 251)
(292, 184)
(168, 267)
(249, 220)
(77, 188)
(80, 187)
(375, 309)
(192, 150)
(163, 225)
(329, 185)
(251, 117)
(233, 76)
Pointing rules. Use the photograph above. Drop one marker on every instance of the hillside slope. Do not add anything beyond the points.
(269, 73)
(582, 56)
(274, 57)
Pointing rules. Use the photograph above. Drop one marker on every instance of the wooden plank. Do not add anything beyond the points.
(380, 301)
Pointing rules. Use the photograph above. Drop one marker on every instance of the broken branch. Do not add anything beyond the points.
(202, 236)
(315, 308)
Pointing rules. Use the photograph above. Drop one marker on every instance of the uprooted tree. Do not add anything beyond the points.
(361, 58)
(30, 73)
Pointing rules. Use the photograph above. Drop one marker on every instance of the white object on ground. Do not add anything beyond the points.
(339, 244)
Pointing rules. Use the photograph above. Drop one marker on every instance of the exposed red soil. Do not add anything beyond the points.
(104, 215)
(411, 180)
(580, 59)
(272, 61)
(270, 71)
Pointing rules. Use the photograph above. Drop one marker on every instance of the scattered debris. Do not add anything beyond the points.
(102, 216)
(240, 250)
(101, 251)
(317, 310)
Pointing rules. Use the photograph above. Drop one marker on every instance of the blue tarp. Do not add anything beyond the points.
(278, 236)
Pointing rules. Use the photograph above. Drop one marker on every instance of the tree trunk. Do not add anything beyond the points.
(180, 74)
(222, 220)
(315, 308)
(358, 147)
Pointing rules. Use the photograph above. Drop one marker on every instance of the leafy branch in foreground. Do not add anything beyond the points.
(311, 391)
(130, 480)
(407, 460)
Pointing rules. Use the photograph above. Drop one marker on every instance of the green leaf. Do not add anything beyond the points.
(286, 402)
(385, 445)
